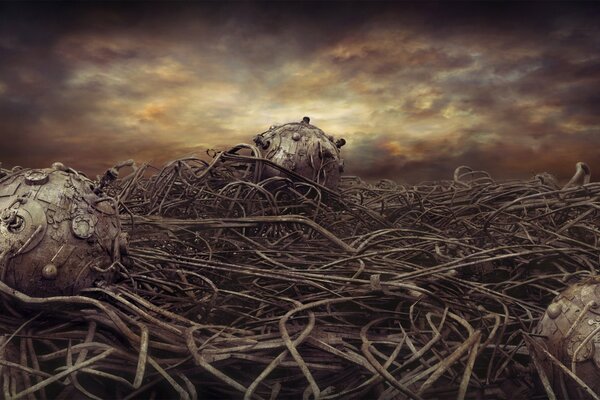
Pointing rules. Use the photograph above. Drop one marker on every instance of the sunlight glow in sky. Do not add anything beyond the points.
(415, 90)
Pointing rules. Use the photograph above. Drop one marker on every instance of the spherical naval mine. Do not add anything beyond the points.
(570, 331)
(57, 237)
(304, 149)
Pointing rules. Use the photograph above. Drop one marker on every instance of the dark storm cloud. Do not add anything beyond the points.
(501, 159)
(416, 88)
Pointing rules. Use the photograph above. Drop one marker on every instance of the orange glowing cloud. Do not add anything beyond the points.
(415, 92)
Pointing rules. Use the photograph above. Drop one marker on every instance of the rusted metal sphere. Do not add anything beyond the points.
(57, 236)
(570, 331)
(304, 149)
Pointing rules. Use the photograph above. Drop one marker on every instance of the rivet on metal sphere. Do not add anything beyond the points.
(59, 166)
(50, 271)
(554, 310)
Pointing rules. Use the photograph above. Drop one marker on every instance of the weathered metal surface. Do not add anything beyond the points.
(570, 331)
(304, 149)
(57, 236)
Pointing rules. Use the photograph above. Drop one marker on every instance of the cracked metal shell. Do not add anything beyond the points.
(304, 149)
(57, 236)
(570, 331)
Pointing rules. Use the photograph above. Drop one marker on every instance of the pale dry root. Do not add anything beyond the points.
(235, 287)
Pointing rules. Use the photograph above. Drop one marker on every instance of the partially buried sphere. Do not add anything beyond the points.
(57, 236)
(570, 331)
(304, 149)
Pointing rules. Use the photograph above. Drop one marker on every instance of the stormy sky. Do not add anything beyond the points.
(416, 89)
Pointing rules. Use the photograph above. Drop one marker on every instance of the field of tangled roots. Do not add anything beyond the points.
(236, 287)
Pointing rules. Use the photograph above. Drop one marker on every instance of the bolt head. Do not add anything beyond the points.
(50, 271)
(554, 310)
